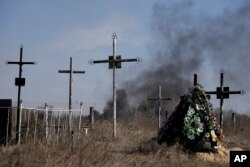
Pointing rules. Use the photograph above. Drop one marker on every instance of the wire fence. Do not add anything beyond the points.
(46, 124)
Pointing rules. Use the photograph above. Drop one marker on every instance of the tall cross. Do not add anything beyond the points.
(160, 98)
(70, 72)
(114, 62)
(221, 93)
(19, 82)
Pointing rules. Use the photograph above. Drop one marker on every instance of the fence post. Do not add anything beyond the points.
(71, 130)
(46, 123)
(7, 128)
(92, 117)
(20, 124)
(80, 119)
(58, 128)
(50, 125)
(28, 125)
(66, 123)
(36, 117)
(54, 133)
(233, 120)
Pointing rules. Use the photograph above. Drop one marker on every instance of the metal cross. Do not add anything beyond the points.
(160, 98)
(221, 92)
(19, 82)
(114, 62)
(70, 72)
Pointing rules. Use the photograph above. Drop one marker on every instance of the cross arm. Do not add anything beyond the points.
(79, 72)
(99, 61)
(68, 71)
(236, 92)
(20, 63)
(211, 92)
(29, 63)
(137, 59)
(64, 71)
(128, 60)
(226, 92)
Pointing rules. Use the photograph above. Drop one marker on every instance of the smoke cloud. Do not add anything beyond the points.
(187, 42)
(122, 105)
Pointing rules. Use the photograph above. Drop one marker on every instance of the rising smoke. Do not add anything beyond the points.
(122, 105)
(188, 42)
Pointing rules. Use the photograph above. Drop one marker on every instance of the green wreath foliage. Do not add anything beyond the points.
(192, 123)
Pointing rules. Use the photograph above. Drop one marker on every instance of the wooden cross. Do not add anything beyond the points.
(19, 82)
(114, 62)
(159, 99)
(70, 72)
(221, 93)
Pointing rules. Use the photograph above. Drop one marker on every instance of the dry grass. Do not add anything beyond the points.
(132, 147)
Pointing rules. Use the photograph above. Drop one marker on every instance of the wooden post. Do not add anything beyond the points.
(28, 126)
(196, 79)
(50, 126)
(58, 128)
(7, 127)
(233, 120)
(65, 122)
(19, 126)
(114, 87)
(80, 119)
(54, 130)
(46, 123)
(36, 118)
(159, 107)
(92, 117)
(221, 99)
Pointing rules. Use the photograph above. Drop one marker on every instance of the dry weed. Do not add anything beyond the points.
(133, 146)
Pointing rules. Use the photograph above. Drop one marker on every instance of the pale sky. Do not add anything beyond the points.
(52, 31)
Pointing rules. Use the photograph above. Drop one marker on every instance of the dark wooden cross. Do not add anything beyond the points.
(114, 62)
(221, 93)
(159, 99)
(70, 72)
(19, 82)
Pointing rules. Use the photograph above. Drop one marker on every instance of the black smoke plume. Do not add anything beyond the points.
(187, 42)
(121, 105)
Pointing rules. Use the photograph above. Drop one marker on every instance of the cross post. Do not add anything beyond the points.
(114, 62)
(159, 99)
(19, 82)
(70, 72)
(221, 92)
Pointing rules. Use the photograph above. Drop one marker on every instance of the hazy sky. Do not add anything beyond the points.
(52, 31)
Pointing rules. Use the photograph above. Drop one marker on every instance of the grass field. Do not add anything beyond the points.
(133, 146)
